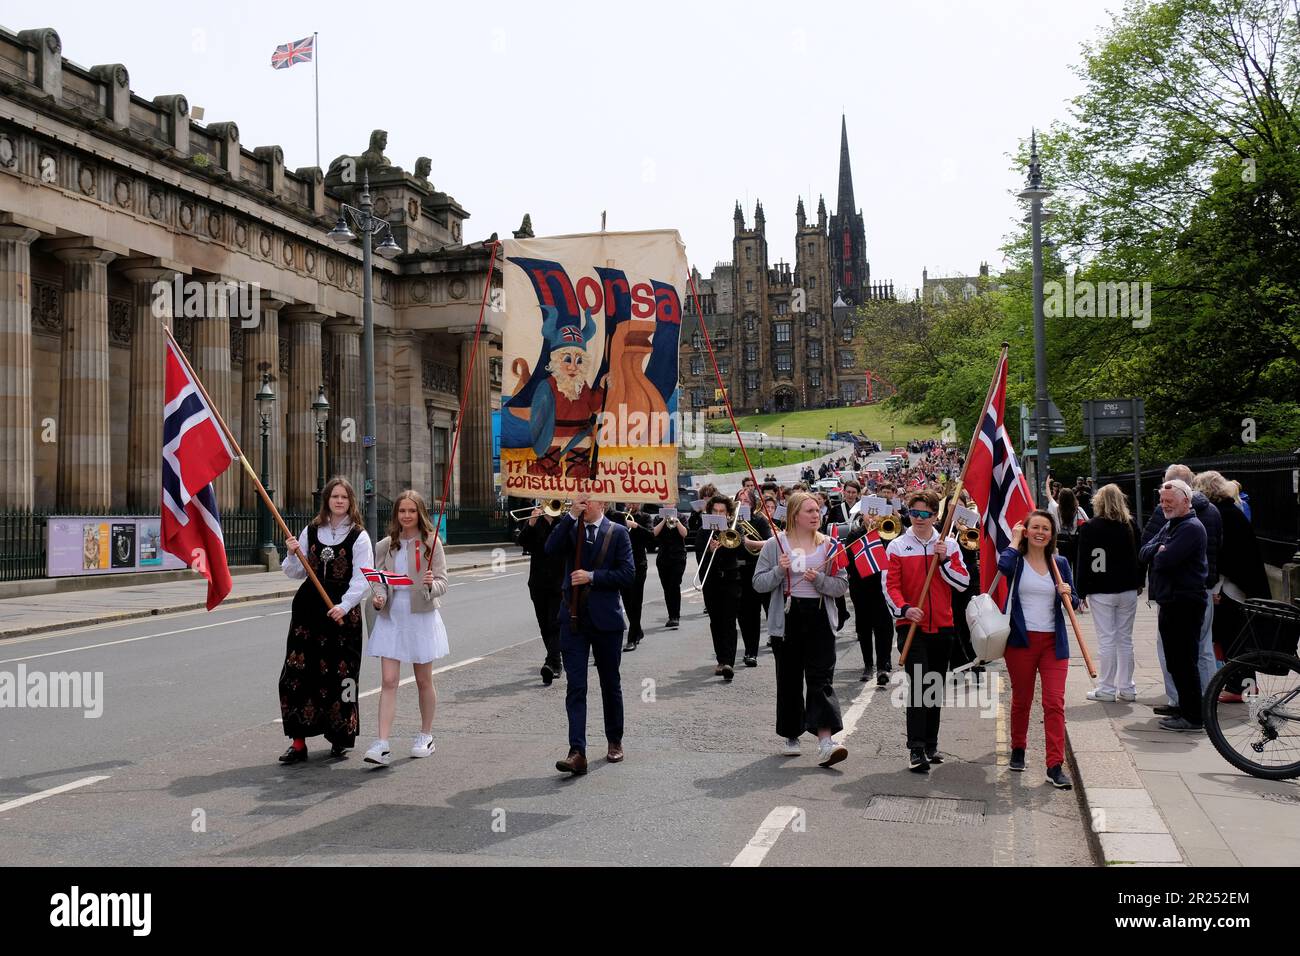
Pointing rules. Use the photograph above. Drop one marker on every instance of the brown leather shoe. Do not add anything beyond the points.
(575, 763)
(615, 754)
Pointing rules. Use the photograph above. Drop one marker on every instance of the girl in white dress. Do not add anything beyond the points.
(408, 628)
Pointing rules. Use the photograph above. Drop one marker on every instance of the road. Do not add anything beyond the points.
(180, 768)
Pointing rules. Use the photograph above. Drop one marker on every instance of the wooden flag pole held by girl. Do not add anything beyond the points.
(257, 482)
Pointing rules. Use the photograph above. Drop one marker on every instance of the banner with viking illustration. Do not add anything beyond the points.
(589, 395)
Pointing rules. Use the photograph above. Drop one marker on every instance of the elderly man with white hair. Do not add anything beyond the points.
(1209, 516)
(1176, 556)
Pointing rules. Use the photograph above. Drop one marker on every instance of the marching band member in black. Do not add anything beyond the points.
(670, 562)
(751, 624)
(545, 582)
(720, 575)
(634, 593)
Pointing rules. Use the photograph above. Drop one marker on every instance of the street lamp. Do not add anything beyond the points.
(368, 226)
(1036, 193)
(265, 400)
(321, 412)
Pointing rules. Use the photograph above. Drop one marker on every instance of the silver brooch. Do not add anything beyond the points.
(326, 555)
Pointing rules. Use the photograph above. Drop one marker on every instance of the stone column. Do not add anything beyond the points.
(262, 354)
(85, 479)
(305, 362)
(211, 363)
(475, 449)
(153, 282)
(17, 462)
(347, 414)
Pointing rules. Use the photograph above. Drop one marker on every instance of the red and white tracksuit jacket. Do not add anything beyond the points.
(908, 560)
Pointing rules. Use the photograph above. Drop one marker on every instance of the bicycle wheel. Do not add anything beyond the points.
(1260, 735)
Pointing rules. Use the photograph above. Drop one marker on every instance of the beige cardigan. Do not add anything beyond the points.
(423, 598)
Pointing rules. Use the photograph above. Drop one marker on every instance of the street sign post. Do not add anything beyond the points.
(1113, 417)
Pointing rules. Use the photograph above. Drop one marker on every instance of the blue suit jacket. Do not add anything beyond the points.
(617, 571)
(1011, 562)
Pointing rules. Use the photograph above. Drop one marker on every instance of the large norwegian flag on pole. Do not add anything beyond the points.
(996, 483)
(195, 452)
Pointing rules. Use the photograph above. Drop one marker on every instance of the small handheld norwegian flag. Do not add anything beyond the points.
(390, 578)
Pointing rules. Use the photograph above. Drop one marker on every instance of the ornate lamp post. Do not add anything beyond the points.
(321, 411)
(1035, 192)
(368, 226)
(265, 399)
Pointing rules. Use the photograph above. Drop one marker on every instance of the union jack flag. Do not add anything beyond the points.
(391, 578)
(868, 554)
(996, 485)
(571, 334)
(287, 54)
(195, 452)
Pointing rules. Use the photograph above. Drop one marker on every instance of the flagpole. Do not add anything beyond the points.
(247, 467)
(315, 61)
(952, 512)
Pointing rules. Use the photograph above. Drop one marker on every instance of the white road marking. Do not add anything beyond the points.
(775, 823)
(762, 841)
(32, 798)
(131, 640)
(436, 670)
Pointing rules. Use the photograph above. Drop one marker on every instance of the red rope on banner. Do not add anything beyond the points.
(726, 398)
(469, 372)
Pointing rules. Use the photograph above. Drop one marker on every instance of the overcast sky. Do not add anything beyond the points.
(662, 113)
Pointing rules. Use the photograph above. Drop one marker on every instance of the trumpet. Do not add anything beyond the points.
(552, 509)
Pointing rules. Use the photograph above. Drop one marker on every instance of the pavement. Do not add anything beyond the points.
(1157, 797)
(36, 614)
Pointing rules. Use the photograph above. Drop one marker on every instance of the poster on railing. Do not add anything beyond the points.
(88, 544)
(589, 395)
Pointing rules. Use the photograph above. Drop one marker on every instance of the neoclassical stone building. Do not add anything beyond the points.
(103, 193)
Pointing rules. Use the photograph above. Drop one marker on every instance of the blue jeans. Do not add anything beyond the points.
(576, 648)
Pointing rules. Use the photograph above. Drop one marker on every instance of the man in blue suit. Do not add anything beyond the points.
(595, 623)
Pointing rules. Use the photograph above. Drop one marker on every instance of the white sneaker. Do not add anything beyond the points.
(829, 752)
(422, 746)
(1127, 695)
(1103, 695)
(379, 753)
(792, 747)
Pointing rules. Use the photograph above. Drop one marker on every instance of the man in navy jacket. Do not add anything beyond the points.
(594, 624)
(1208, 515)
(1178, 564)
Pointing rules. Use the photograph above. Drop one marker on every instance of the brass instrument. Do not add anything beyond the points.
(731, 537)
(889, 528)
(552, 509)
(968, 537)
(671, 522)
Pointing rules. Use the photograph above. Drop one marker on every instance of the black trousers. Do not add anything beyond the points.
(722, 598)
(751, 610)
(546, 605)
(927, 675)
(670, 578)
(805, 654)
(962, 650)
(874, 624)
(633, 597)
(1179, 622)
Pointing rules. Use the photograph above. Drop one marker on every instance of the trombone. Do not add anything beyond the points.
(887, 526)
(727, 538)
(552, 509)
(968, 537)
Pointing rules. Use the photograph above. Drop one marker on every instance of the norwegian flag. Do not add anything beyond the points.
(996, 484)
(391, 578)
(868, 554)
(571, 334)
(195, 452)
(287, 54)
(838, 559)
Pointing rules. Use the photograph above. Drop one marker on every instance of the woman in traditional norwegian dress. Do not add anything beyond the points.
(322, 665)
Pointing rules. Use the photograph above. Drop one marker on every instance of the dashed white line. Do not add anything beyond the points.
(32, 798)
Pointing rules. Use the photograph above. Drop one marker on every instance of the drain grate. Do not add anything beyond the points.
(935, 810)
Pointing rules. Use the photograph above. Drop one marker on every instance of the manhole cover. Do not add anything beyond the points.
(936, 810)
(1281, 797)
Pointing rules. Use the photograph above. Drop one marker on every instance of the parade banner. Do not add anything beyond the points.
(589, 396)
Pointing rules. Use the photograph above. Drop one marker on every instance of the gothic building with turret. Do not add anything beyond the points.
(783, 334)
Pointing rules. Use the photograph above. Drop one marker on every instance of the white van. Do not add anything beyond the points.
(754, 437)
